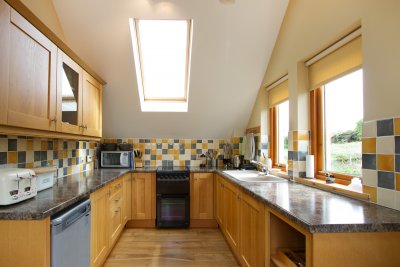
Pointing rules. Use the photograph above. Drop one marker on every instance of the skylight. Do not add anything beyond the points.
(161, 50)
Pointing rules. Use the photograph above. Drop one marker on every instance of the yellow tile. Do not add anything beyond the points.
(141, 146)
(51, 162)
(385, 162)
(165, 141)
(159, 157)
(235, 152)
(153, 152)
(55, 145)
(29, 145)
(295, 145)
(295, 135)
(73, 161)
(152, 163)
(235, 140)
(43, 145)
(176, 152)
(204, 146)
(187, 146)
(181, 163)
(369, 145)
(29, 165)
(91, 145)
(136, 146)
(193, 152)
(12, 157)
(397, 126)
(303, 135)
(193, 141)
(372, 193)
(78, 152)
(69, 170)
(398, 181)
(153, 140)
(290, 165)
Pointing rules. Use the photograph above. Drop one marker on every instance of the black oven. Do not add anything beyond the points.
(173, 197)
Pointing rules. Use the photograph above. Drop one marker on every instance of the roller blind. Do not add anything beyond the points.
(340, 62)
(278, 94)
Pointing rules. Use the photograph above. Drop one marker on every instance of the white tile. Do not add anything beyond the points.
(302, 166)
(370, 177)
(369, 129)
(303, 146)
(386, 197)
(290, 145)
(397, 206)
(385, 145)
(290, 136)
(3, 144)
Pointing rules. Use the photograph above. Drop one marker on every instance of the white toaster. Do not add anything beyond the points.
(16, 185)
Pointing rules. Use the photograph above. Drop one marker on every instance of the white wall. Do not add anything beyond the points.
(310, 26)
(44, 10)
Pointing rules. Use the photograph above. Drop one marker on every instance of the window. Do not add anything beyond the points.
(343, 110)
(162, 50)
(336, 108)
(279, 123)
(282, 113)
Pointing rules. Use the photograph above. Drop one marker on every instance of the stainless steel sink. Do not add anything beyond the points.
(254, 176)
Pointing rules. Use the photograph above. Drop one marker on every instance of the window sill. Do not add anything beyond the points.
(334, 188)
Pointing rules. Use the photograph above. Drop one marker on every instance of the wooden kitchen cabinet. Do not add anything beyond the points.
(219, 208)
(69, 95)
(127, 196)
(142, 196)
(27, 74)
(91, 106)
(99, 226)
(115, 211)
(231, 206)
(252, 231)
(202, 196)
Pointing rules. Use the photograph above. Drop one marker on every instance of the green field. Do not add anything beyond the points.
(346, 158)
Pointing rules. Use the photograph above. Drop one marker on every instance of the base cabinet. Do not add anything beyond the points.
(142, 196)
(202, 196)
(107, 221)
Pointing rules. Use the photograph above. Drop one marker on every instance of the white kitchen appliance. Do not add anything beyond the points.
(116, 159)
(45, 177)
(16, 185)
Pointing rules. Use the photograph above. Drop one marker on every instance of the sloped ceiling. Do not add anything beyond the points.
(232, 44)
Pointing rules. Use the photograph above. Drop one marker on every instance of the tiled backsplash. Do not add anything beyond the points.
(27, 152)
(184, 152)
(297, 152)
(381, 161)
(176, 152)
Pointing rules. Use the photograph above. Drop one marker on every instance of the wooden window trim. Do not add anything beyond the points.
(273, 135)
(317, 139)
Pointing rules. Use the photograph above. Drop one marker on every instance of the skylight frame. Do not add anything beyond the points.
(161, 104)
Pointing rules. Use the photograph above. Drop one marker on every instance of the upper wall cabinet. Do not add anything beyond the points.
(79, 98)
(41, 87)
(27, 74)
(69, 95)
(91, 106)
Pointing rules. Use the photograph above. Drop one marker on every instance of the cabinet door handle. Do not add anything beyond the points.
(54, 120)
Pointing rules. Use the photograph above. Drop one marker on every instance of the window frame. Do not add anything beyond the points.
(274, 135)
(317, 138)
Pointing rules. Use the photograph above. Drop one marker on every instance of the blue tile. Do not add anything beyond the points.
(369, 161)
(21, 165)
(187, 163)
(65, 145)
(36, 156)
(12, 144)
(193, 146)
(70, 162)
(170, 146)
(60, 163)
(73, 152)
(301, 156)
(159, 146)
(385, 127)
(147, 151)
(199, 151)
(264, 145)
(397, 144)
(65, 171)
(55, 154)
(199, 141)
(49, 145)
(236, 146)
(43, 155)
(290, 155)
(181, 146)
(147, 163)
(182, 151)
(290, 173)
(386, 180)
(176, 141)
(165, 151)
(397, 163)
(3, 157)
(21, 157)
(193, 157)
(302, 174)
(153, 157)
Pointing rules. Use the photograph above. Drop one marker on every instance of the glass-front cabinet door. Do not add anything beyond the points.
(69, 95)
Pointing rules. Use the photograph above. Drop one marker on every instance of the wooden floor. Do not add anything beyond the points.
(153, 247)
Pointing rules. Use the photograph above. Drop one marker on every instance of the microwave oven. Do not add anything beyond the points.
(116, 159)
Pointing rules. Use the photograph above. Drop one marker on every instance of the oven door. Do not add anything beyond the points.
(173, 211)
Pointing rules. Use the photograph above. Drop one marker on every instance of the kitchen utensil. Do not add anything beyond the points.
(236, 162)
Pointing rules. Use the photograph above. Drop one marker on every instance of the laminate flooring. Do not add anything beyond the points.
(159, 248)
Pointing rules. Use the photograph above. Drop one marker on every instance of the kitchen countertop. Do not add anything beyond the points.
(316, 210)
(320, 211)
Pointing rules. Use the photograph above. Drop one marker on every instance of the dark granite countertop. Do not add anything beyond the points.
(65, 192)
(316, 210)
(320, 211)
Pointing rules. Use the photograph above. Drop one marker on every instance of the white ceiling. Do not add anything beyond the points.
(232, 44)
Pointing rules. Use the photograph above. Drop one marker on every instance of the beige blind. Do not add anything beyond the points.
(278, 94)
(342, 61)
